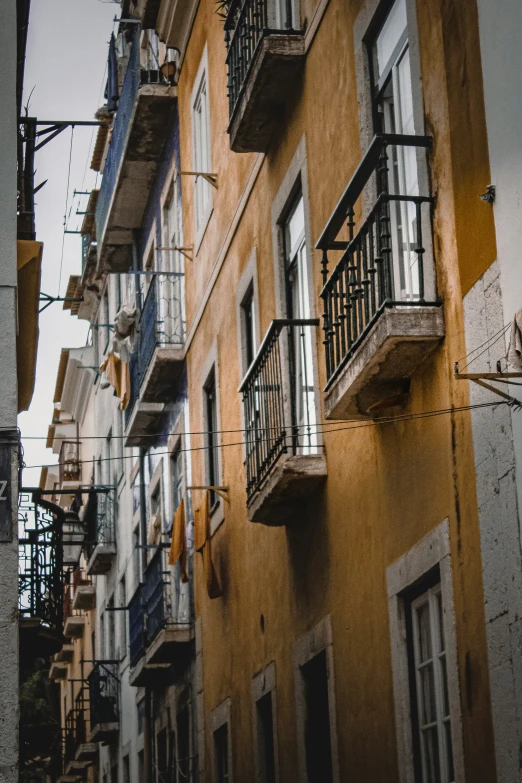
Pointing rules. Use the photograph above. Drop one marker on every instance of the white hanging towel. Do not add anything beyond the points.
(514, 353)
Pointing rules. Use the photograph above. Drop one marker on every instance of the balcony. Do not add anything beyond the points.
(79, 754)
(40, 579)
(264, 57)
(285, 463)
(161, 631)
(69, 464)
(100, 523)
(73, 620)
(66, 654)
(104, 696)
(141, 127)
(84, 591)
(381, 316)
(157, 361)
(58, 670)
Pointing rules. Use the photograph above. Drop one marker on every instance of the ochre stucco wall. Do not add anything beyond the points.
(387, 486)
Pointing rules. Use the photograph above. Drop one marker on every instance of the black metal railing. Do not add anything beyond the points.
(100, 520)
(382, 264)
(161, 325)
(156, 604)
(77, 726)
(247, 23)
(279, 399)
(104, 693)
(40, 564)
(136, 628)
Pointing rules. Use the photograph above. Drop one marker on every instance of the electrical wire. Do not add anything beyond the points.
(364, 425)
(488, 343)
(65, 212)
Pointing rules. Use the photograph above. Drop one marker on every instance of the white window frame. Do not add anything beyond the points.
(221, 716)
(430, 599)
(203, 196)
(318, 640)
(410, 568)
(264, 684)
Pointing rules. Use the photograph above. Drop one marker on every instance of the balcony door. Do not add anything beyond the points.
(171, 284)
(393, 112)
(302, 382)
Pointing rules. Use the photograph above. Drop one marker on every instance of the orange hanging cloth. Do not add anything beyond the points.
(178, 544)
(202, 543)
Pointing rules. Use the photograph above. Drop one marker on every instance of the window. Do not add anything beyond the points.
(123, 615)
(201, 150)
(297, 292)
(162, 766)
(265, 739)
(317, 739)
(114, 773)
(177, 476)
(109, 466)
(183, 726)
(137, 553)
(172, 298)
(393, 113)
(430, 712)
(101, 651)
(141, 763)
(249, 326)
(221, 754)
(126, 769)
(111, 629)
(211, 434)
(141, 717)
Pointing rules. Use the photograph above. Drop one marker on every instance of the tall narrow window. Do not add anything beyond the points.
(111, 630)
(428, 658)
(177, 476)
(248, 326)
(110, 478)
(211, 434)
(201, 142)
(123, 616)
(393, 113)
(265, 739)
(183, 727)
(221, 754)
(162, 765)
(297, 290)
(318, 746)
(172, 299)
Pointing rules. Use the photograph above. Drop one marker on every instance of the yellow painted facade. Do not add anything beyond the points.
(388, 485)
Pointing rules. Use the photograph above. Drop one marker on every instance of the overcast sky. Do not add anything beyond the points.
(65, 78)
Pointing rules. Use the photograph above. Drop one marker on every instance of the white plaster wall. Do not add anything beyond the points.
(8, 394)
(499, 530)
(500, 35)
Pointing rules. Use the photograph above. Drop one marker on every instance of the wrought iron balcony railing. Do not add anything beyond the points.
(161, 325)
(135, 77)
(104, 693)
(156, 604)
(77, 726)
(246, 25)
(279, 399)
(40, 566)
(382, 264)
(100, 520)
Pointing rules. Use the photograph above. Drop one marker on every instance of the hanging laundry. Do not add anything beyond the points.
(203, 544)
(514, 353)
(178, 544)
(111, 91)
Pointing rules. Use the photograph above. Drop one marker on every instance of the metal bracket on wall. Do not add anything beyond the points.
(185, 250)
(211, 178)
(481, 378)
(221, 491)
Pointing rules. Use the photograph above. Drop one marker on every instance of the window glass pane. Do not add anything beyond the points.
(431, 765)
(427, 686)
(440, 616)
(295, 227)
(449, 750)
(389, 36)
(424, 632)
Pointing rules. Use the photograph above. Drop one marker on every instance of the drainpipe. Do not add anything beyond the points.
(147, 724)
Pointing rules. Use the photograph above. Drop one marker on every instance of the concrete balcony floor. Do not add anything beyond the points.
(269, 84)
(376, 377)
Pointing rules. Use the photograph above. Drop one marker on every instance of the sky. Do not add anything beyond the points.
(64, 80)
